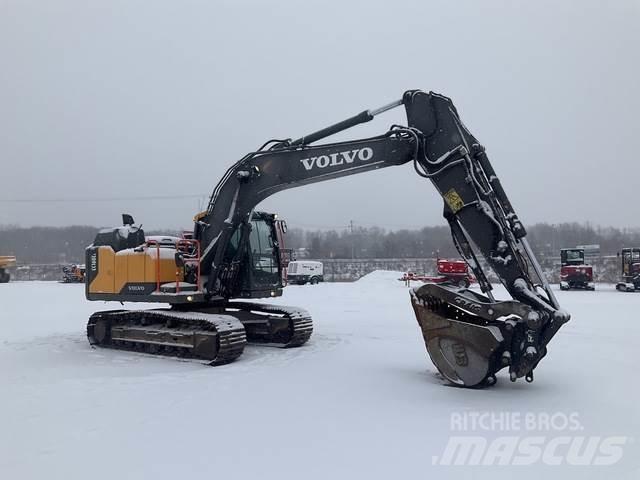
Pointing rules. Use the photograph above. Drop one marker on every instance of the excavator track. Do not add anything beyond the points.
(273, 325)
(216, 338)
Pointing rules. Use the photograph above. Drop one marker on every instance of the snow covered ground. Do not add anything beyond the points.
(361, 400)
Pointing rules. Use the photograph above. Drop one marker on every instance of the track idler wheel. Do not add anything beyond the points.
(101, 331)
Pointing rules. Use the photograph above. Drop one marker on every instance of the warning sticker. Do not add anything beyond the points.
(454, 200)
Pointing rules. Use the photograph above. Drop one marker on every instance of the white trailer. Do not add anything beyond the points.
(303, 271)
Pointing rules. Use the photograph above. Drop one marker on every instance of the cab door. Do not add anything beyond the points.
(263, 255)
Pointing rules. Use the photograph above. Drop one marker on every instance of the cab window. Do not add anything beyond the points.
(262, 248)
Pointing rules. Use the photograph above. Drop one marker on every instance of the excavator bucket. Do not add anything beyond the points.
(469, 337)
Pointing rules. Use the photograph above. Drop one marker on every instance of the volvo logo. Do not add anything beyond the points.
(323, 161)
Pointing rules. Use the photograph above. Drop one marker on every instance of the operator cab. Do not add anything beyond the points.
(260, 262)
(631, 261)
(572, 256)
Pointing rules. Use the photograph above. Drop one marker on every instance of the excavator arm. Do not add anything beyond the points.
(469, 336)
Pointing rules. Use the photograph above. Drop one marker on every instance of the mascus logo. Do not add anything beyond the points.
(349, 156)
(464, 303)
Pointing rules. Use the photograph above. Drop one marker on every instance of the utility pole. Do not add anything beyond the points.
(352, 242)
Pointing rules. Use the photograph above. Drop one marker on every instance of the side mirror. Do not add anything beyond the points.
(179, 260)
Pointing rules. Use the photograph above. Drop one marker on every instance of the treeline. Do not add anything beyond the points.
(549, 239)
(37, 245)
(373, 242)
(46, 244)
(67, 244)
(545, 239)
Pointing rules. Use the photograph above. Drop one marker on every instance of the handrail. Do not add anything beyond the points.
(157, 244)
(185, 243)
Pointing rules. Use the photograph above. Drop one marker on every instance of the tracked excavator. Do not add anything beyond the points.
(234, 256)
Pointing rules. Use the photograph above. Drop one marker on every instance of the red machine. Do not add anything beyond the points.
(630, 270)
(574, 273)
(449, 271)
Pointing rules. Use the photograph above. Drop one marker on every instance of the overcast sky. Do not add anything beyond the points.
(120, 99)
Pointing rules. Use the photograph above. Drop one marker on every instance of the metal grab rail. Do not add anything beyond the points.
(157, 244)
(183, 246)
